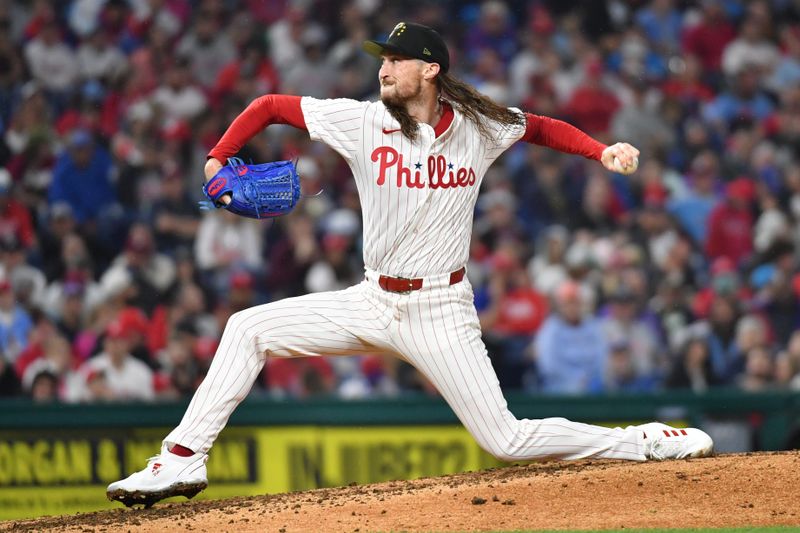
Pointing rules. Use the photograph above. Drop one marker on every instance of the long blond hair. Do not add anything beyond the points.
(465, 99)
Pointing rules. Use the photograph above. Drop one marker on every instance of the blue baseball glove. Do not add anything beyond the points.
(257, 191)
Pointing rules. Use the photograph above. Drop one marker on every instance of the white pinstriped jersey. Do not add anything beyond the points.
(417, 198)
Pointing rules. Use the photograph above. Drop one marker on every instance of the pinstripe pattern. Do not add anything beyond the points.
(408, 232)
(435, 329)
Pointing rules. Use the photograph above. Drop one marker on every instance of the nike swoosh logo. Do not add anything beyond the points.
(387, 132)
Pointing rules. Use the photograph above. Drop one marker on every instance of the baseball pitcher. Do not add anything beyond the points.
(418, 157)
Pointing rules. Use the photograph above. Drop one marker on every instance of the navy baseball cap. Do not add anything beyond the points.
(413, 40)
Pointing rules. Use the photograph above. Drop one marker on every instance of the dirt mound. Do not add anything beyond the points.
(729, 490)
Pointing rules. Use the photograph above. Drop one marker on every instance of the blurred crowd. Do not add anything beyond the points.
(115, 286)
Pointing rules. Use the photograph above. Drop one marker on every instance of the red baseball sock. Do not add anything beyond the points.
(183, 451)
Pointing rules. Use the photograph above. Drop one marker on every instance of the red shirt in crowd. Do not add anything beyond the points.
(707, 41)
(16, 220)
(730, 233)
(521, 312)
(592, 108)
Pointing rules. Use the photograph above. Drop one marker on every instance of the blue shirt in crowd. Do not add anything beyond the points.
(570, 357)
(692, 213)
(87, 190)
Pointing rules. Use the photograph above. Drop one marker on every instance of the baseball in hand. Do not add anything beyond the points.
(630, 169)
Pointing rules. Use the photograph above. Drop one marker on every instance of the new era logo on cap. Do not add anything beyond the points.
(426, 51)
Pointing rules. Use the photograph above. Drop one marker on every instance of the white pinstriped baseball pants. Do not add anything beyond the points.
(435, 329)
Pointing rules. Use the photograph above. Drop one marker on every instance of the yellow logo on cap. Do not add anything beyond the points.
(426, 51)
(399, 29)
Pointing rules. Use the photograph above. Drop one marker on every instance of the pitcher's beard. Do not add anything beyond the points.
(398, 109)
(396, 99)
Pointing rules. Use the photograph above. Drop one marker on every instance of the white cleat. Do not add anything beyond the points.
(666, 442)
(165, 476)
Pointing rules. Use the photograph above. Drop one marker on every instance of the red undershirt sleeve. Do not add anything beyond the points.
(561, 136)
(263, 111)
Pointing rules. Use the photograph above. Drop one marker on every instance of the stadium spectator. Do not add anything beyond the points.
(786, 73)
(592, 104)
(107, 109)
(241, 294)
(625, 325)
(685, 85)
(179, 372)
(643, 122)
(751, 49)
(547, 269)
(291, 257)
(11, 68)
(29, 123)
(692, 368)
(620, 374)
(725, 282)
(9, 382)
(44, 387)
(493, 31)
(82, 178)
(759, 370)
(70, 301)
(291, 377)
(312, 73)
(743, 101)
(751, 333)
(27, 281)
(114, 374)
(336, 269)
(178, 98)
(548, 195)
(225, 241)
(730, 224)
(206, 48)
(571, 349)
(527, 65)
(254, 67)
(693, 208)
(374, 375)
(662, 23)
(52, 63)
(284, 36)
(175, 220)
(672, 312)
(601, 209)
(787, 364)
(15, 219)
(710, 36)
(15, 323)
(783, 126)
(775, 296)
(151, 273)
(51, 354)
(99, 59)
(74, 256)
(511, 311)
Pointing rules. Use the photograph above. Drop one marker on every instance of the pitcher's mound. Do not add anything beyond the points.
(756, 489)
